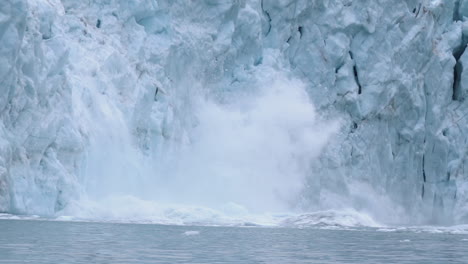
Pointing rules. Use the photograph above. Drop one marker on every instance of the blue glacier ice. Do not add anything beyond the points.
(245, 111)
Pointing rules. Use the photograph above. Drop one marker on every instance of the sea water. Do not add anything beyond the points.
(37, 241)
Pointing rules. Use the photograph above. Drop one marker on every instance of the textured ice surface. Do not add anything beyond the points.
(211, 103)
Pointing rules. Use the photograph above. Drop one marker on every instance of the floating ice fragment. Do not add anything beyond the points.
(65, 218)
(191, 233)
(386, 229)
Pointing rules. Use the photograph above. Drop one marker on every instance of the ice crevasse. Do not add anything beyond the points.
(274, 105)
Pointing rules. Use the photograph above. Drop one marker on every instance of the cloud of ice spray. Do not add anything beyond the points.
(255, 153)
(250, 155)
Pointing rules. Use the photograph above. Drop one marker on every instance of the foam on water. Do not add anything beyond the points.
(343, 218)
(155, 213)
(455, 229)
(129, 209)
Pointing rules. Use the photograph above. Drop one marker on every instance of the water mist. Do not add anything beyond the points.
(237, 158)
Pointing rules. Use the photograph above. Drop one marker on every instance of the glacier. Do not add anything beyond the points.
(200, 110)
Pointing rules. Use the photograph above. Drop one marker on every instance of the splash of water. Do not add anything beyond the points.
(250, 156)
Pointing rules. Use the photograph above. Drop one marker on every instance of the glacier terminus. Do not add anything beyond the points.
(235, 112)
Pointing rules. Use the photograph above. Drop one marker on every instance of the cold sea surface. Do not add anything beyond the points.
(37, 241)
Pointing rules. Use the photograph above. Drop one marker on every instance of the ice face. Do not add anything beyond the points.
(269, 105)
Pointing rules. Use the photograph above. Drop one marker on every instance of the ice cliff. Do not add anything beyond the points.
(359, 104)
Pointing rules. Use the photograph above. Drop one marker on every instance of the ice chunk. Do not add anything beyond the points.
(191, 233)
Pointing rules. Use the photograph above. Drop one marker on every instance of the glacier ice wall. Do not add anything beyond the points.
(105, 97)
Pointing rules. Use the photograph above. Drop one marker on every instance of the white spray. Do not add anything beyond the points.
(248, 156)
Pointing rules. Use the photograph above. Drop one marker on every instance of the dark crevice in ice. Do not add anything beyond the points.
(269, 19)
(337, 69)
(354, 127)
(356, 75)
(457, 71)
(423, 170)
(357, 79)
(424, 175)
(416, 10)
(156, 94)
(456, 15)
(300, 30)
